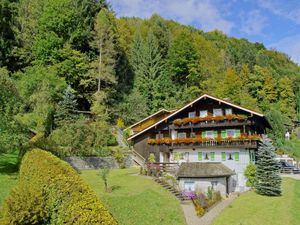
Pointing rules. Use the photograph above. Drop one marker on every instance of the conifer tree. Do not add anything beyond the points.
(147, 66)
(267, 177)
(66, 107)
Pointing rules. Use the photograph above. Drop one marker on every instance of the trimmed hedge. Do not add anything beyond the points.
(51, 192)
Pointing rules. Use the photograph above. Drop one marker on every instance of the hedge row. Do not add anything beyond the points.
(51, 192)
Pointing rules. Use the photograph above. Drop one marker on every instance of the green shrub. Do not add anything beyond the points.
(250, 175)
(209, 193)
(51, 192)
(151, 158)
(216, 197)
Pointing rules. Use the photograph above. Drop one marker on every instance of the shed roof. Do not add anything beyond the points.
(202, 170)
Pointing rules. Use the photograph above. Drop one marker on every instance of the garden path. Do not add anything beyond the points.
(190, 213)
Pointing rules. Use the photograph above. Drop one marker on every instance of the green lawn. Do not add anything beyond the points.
(251, 208)
(8, 174)
(136, 199)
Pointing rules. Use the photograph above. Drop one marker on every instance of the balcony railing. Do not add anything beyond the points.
(211, 121)
(206, 124)
(245, 141)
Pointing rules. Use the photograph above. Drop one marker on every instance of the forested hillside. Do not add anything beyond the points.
(70, 69)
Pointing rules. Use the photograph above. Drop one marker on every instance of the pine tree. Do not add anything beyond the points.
(65, 109)
(268, 181)
(147, 66)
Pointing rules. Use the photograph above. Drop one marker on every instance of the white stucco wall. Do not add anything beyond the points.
(202, 184)
(237, 182)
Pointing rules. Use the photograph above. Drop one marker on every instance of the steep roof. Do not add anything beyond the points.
(202, 170)
(193, 102)
(152, 115)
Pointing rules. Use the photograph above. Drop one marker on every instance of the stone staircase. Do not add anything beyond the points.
(136, 157)
(171, 189)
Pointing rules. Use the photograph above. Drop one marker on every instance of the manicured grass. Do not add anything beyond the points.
(8, 174)
(136, 199)
(251, 208)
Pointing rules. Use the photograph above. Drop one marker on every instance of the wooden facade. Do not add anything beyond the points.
(206, 130)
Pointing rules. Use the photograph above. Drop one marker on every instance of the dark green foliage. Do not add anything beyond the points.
(50, 191)
(7, 36)
(12, 133)
(66, 109)
(268, 180)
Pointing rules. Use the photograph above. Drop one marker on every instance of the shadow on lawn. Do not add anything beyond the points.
(8, 164)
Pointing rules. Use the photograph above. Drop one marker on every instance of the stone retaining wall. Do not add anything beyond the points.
(92, 162)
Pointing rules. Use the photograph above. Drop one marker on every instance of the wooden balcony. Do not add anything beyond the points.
(207, 124)
(208, 144)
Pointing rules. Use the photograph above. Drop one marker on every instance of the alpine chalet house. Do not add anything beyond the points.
(211, 139)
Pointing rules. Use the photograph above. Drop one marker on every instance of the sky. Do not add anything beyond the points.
(275, 23)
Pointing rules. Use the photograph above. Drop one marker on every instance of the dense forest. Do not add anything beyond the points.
(70, 70)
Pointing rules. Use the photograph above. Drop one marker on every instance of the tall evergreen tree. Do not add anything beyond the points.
(147, 65)
(65, 112)
(267, 172)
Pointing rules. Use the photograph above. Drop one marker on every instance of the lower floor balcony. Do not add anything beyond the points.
(167, 143)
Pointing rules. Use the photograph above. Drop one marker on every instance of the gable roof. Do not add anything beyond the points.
(193, 102)
(152, 115)
(203, 169)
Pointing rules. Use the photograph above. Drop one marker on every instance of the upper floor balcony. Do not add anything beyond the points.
(211, 121)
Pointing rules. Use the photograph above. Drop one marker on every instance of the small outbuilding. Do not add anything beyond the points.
(197, 176)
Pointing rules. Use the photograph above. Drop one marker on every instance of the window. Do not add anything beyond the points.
(228, 111)
(173, 134)
(178, 156)
(192, 114)
(187, 156)
(209, 134)
(189, 186)
(230, 133)
(192, 134)
(214, 184)
(229, 156)
(181, 135)
(233, 156)
(217, 112)
(203, 113)
(206, 156)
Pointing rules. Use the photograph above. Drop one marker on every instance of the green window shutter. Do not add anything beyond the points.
(237, 156)
(215, 134)
(203, 134)
(223, 134)
(237, 133)
(223, 156)
(212, 156)
(199, 156)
